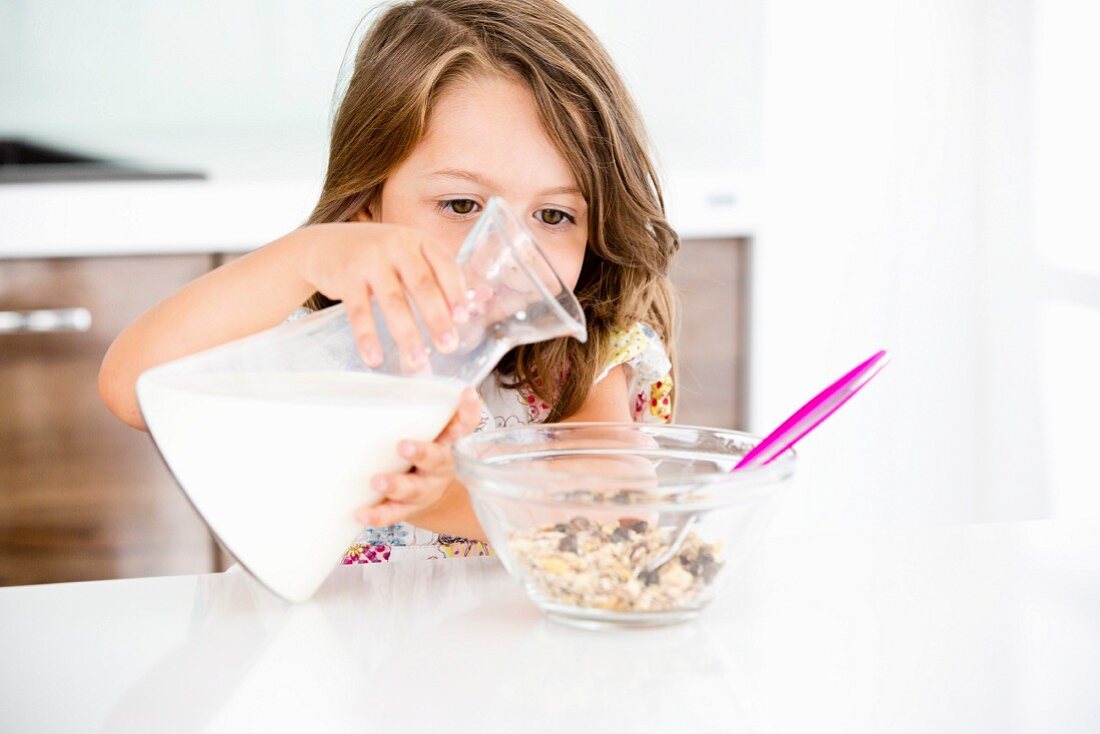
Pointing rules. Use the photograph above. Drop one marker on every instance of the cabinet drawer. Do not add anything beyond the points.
(83, 496)
(711, 280)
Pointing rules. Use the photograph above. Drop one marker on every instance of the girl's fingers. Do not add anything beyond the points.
(361, 318)
(389, 296)
(420, 281)
(465, 419)
(412, 489)
(426, 458)
(478, 299)
(450, 279)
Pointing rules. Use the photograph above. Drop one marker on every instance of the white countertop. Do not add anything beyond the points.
(259, 186)
(985, 628)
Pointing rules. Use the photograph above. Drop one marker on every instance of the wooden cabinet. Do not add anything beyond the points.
(711, 279)
(82, 496)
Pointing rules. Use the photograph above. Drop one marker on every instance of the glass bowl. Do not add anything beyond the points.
(579, 512)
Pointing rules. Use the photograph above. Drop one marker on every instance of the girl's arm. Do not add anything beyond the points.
(241, 297)
(351, 262)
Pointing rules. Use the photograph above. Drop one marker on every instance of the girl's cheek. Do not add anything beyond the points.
(576, 274)
(573, 274)
(568, 264)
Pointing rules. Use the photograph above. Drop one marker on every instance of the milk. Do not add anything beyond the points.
(277, 462)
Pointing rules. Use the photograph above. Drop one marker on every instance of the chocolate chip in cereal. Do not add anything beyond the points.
(581, 523)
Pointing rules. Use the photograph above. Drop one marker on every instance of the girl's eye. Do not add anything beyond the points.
(461, 207)
(554, 217)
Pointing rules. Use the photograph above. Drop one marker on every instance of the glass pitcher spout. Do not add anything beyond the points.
(514, 296)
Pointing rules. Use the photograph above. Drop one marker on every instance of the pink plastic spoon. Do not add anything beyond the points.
(804, 420)
(810, 415)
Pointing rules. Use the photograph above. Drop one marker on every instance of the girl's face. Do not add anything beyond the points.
(484, 139)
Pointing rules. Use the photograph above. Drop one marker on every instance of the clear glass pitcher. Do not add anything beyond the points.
(274, 438)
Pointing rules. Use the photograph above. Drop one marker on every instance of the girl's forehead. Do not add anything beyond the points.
(490, 127)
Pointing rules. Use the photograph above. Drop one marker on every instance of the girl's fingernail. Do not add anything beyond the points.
(379, 484)
(417, 357)
(407, 449)
(460, 315)
(448, 342)
(374, 357)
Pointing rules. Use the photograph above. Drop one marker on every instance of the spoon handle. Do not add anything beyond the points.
(775, 443)
(812, 413)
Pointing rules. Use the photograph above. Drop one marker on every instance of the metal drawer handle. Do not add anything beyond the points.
(46, 320)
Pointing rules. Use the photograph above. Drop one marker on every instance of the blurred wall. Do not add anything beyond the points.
(1067, 236)
(161, 67)
(929, 181)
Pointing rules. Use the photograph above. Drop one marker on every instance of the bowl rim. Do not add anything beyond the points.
(756, 478)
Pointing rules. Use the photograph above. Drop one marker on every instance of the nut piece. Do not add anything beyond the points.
(555, 566)
(603, 565)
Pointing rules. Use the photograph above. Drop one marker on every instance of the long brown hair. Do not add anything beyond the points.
(412, 52)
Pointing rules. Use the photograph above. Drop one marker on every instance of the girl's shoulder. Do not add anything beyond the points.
(640, 348)
(642, 352)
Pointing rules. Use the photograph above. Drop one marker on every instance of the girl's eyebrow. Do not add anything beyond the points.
(458, 173)
(474, 178)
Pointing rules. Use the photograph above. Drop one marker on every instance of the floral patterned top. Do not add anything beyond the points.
(638, 349)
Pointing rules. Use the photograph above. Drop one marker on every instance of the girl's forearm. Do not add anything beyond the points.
(453, 514)
(242, 297)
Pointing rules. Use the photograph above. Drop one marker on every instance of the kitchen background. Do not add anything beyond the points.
(917, 175)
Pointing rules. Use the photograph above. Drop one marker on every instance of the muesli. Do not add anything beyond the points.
(602, 565)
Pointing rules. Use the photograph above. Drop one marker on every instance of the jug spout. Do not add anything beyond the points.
(515, 297)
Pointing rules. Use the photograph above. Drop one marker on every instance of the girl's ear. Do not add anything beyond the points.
(363, 215)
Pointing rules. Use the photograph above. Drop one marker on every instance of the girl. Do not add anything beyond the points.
(451, 102)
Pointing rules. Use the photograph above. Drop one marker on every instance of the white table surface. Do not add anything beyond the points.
(983, 628)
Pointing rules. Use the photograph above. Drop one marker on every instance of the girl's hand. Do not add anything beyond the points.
(432, 473)
(356, 261)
